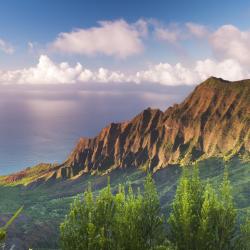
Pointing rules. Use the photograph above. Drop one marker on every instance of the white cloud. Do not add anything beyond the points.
(117, 38)
(171, 35)
(178, 74)
(197, 30)
(167, 74)
(228, 69)
(121, 39)
(227, 42)
(6, 47)
(175, 33)
(49, 72)
(230, 42)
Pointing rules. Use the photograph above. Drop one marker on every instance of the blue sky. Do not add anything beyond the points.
(182, 41)
(67, 68)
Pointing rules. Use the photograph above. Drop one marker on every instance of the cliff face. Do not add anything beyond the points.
(213, 121)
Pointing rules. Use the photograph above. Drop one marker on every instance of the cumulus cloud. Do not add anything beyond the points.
(6, 47)
(178, 74)
(165, 73)
(230, 42)
(49, 72)
(228, 69)
(111, 38)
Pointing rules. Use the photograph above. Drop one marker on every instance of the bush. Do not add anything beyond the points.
(202, 219)
(127, 220)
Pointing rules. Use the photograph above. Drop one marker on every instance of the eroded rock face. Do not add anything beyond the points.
(213, 121)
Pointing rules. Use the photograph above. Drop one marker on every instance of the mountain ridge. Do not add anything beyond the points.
(213, 121)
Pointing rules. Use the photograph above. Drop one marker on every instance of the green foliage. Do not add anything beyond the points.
(46, 205)
(124, 221)
(2, 235)
(184, 219)
(218, 218)
(244, 239)
(3, 230)
(151, 218)
(201, 219)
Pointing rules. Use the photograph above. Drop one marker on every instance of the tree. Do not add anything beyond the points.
(151, 217)
(208, 220)
(184, 219)
(78, 230)
(202, 219)
(124, 221)
(129, 220)
(226, 227)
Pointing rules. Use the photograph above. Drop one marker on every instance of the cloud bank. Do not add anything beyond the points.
(230, 57)
(48, 72)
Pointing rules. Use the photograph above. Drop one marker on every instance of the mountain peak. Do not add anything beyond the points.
(220, 82)
(211, 122)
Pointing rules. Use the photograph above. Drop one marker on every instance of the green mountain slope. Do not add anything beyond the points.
(46, 205)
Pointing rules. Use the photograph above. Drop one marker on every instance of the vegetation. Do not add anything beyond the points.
(126, 220)
(244, 239)
(47, 204)
(3, 230)
(201, 219)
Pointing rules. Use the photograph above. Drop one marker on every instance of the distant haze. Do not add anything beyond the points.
(43, 124)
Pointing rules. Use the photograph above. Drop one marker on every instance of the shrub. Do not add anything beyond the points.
(124, 221)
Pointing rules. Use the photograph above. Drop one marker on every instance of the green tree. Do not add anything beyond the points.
(150, 215)
(124, 221)
(184, 219)
(129, 221)
(78, 231)
(208, 220)
(202, 219)
(226, 227)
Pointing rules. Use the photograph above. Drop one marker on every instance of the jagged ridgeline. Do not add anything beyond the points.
(213, 121)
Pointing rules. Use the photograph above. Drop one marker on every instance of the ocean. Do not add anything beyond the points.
(43, 124)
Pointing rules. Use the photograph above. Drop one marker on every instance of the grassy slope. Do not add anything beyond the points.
(46, 205)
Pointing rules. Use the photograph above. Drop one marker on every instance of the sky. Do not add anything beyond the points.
(159, 42)
(69, 68)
